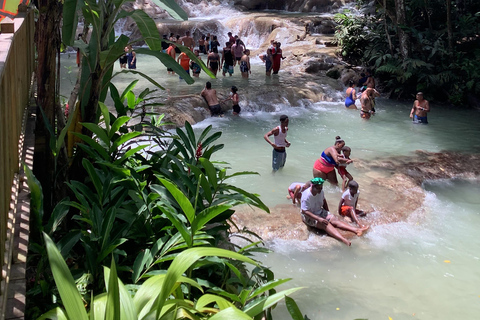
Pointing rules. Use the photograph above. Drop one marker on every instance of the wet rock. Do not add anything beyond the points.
(334, 73)
(314, 66)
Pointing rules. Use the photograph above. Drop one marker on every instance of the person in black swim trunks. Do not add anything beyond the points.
(213, 60)
(210, 95)
(245, 64)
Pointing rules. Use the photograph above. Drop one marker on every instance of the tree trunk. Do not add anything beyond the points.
(403, 39)
(47, 42)
(449, 26)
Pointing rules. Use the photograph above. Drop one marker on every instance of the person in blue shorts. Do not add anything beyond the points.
(420, 109)
(279, 144)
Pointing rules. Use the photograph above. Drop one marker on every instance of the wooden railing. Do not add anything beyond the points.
(17, 60)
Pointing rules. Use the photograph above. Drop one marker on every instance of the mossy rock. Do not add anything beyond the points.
(333, 73)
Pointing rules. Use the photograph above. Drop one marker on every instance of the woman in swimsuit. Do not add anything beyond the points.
(351, 96)
(245, 64)
(212, 61)
(324, 167)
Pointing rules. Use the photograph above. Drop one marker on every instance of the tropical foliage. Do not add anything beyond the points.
(417, 45)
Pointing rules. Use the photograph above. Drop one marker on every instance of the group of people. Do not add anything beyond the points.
(273, 58)
(210, 96)
(314, 208)
(218, 59)
(129, 58)
(368, 94)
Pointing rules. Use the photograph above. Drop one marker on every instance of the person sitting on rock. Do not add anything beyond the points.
(348, 203)
(315, 213)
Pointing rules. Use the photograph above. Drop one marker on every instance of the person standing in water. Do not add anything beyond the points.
(184, 61)
(237, 50)
(188, 41)
(171, 52)
(124, 59)
(227, 60)
(195, 66)
(235, 99)
(367, 100)
(420, 109)
(213, 59)
(210, 96)
(315, 213)
(279, 154)
(277, 58)
(245, 64)
(268, 59)
(351, 96)
(131, 58)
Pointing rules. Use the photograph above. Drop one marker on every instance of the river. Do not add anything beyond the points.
(425, 266)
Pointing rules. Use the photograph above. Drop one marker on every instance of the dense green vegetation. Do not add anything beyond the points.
(417, 45)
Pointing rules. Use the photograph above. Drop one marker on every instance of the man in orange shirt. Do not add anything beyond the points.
(184, 61)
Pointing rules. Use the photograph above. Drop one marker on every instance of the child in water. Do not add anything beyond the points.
(342, 167)
(348, 204)
(295, 190)
(235, 99)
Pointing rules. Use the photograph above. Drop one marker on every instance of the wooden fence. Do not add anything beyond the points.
(17, 59)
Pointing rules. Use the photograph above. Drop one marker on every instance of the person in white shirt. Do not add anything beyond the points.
(280, 143)
(315, 213)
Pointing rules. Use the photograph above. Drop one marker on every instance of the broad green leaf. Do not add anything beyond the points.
(190, 145)
(148, 29)
(267, 286)
(111, 55)
(117, 124)
(98, 131)
(71, 298)
(93, 176)
(241, 173)
(36, 196)
(129, 88)
(142, 74)
(191, 134)
(106, 115)
(69, 26)
(211, 172)
(181, 228)
(129, 153)
(207, 299)
(127, 307)
(124, 138)
(263, 304)
(94, 144)
(181, 199)
(293, 309)
(113, 294)
(55, 314)
(231, 313)
(184, 261)
(207, 215)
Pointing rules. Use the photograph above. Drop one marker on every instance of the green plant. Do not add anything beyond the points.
(160, 297)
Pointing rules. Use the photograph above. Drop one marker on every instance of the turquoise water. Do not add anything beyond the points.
(424, 268)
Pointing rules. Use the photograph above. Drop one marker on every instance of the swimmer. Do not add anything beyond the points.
(350, 96)
(342, 167)
(227, 59)
(368, 103)
(420, 109)
(324, 166)
(245, 64)
(268, 59)
(295, 190)
(315, 213)
(235, 99)
(347, 206)
(212, 61)
(195, 66)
